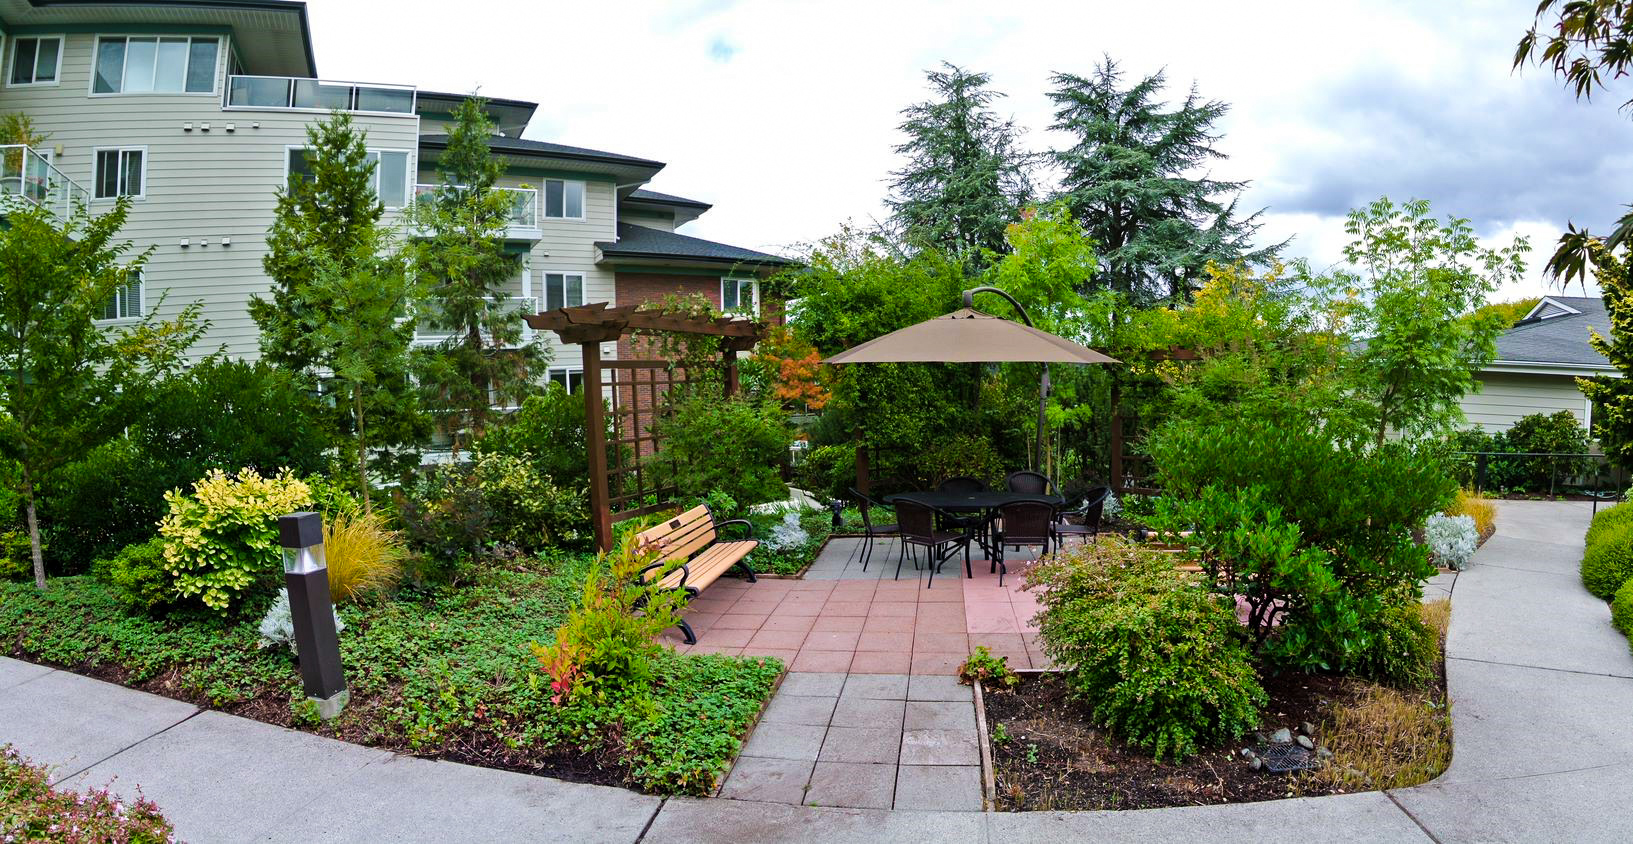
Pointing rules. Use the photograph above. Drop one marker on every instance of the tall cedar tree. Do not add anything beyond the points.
(460, 258)
(966, 178)
(1587, 43)
(338, 313)
(1131, 179)
(1613, 395)
(71, 384)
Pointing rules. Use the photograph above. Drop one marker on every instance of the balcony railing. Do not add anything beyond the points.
(26, 175)
(524, 206)
(293, 93)
(430, 324)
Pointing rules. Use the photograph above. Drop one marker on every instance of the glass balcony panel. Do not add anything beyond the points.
(311, 93)
(258, 92)
(390, 100)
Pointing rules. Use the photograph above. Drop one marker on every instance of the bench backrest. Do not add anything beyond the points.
(683, 535)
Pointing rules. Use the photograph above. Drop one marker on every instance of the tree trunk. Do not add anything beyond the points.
(362, 445)
(34, 533)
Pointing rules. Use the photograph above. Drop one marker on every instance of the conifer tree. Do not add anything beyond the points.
(966, 177)
(459, 257)
(1133, 178)
(1612, 396)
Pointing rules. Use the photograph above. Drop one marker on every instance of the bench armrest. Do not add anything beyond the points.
(748, 528)
(685, 572)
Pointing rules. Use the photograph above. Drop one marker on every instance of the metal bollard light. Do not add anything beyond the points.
(317, 644)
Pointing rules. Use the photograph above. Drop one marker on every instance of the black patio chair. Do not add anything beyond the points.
(870, 531)
(962, 483)
(917, 521)
(979, 524)
(1024, 521)
(1094, 504)
(1029, 482)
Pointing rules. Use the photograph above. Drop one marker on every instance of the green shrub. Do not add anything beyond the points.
(1556, 433)
(1608, 519)
(734, 445)
(220, 414)
(962, 455)
(1156, 657)
(1608, 562)
(1621, 609)
(1329, 518)
(547, 431)
(138, 575)
(221, 542)
(1396, 646)
(530, 511)
(446, 519)
(829, 471)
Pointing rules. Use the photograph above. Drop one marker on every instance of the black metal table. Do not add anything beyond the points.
(975, 502)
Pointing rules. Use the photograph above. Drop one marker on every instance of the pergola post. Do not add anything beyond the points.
(595, 426)
(728, 357)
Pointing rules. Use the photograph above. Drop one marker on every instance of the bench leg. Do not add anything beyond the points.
(748, 571)
(691, 638)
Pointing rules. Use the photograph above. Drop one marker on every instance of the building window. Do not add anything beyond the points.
(568, 377)
(390, 179)
(563, 199)
(170, 65)
(126, 302)
(120, 172)
(36, 61)
(563, 290)
(737, 295)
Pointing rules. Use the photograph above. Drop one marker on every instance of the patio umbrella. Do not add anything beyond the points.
(970, 336)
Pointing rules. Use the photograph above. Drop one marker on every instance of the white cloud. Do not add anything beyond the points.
(783, 114)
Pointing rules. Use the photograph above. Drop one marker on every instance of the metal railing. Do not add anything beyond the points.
(297, 94)
(430, 324)
(1542, 473)
(524, 206)
(26, 175)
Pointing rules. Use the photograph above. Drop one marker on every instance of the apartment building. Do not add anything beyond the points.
(197, 109)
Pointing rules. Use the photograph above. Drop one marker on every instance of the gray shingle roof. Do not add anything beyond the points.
(1558, 339)
(667, 199)
(641, 242)
(546, 148)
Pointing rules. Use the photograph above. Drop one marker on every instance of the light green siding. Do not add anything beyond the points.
(1505, 397)
(201, 185)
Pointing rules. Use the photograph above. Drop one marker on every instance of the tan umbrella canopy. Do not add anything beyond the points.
(970, 336)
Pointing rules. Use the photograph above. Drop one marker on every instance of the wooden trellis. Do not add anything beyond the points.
(591, 325)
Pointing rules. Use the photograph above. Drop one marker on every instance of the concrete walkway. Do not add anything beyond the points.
(1541, 687)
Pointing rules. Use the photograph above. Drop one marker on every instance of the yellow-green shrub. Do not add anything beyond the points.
(1608, 561)
(1609, 519)
(363, 554)
(222, 541)
(1477, 507)
(1621, 609)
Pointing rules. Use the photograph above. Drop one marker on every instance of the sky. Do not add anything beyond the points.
(784, 114)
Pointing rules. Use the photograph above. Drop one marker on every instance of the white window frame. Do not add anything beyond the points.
(96, 183)
(141, 303)
(409, 176)
(11, 60)
(583, 287)
(573, 375)
(222, 46)
(583, 204)
(754, 294)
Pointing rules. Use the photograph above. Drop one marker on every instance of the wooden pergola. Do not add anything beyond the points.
(591, 325)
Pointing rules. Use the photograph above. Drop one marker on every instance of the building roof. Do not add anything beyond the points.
(653, 197)
(511, 116)
(1556, 333)
(273, 37)
(546, 149)
(654, 245)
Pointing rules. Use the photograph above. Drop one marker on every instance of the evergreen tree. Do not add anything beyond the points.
(339, 308)
(1131, 179)
(460, 258)
(1613, 395)
(966, 178)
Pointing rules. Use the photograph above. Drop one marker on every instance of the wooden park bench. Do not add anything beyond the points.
(692, 539)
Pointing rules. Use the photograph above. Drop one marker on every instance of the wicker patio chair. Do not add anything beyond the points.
(1094, 504)
(1029, 482)
(871, 531)
(917, 521)
(1025, 521)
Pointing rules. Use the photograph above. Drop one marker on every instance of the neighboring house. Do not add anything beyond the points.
(198, 110)
(1538, 362)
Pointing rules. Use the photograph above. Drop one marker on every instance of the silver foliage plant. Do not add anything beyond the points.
(788, 534)
(278, 626)
(1451, 539)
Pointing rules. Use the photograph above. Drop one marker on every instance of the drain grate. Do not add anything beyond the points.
(1281, 758)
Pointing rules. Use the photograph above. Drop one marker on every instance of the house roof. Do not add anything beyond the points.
(645, 245)
(521, 153)
(652, 197)
(272, 37)
(1555, 333)
(511, 116)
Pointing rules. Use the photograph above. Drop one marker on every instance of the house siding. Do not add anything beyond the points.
(1506, 397)
(199, 185)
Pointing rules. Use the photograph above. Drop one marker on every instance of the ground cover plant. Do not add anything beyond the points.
(31, 809)
(441, 671)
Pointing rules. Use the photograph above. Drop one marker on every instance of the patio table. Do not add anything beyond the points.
(974, 502)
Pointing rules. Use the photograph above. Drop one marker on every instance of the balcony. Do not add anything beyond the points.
(288, 93)
(431, 328)
(524, 209)
(26, 176)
